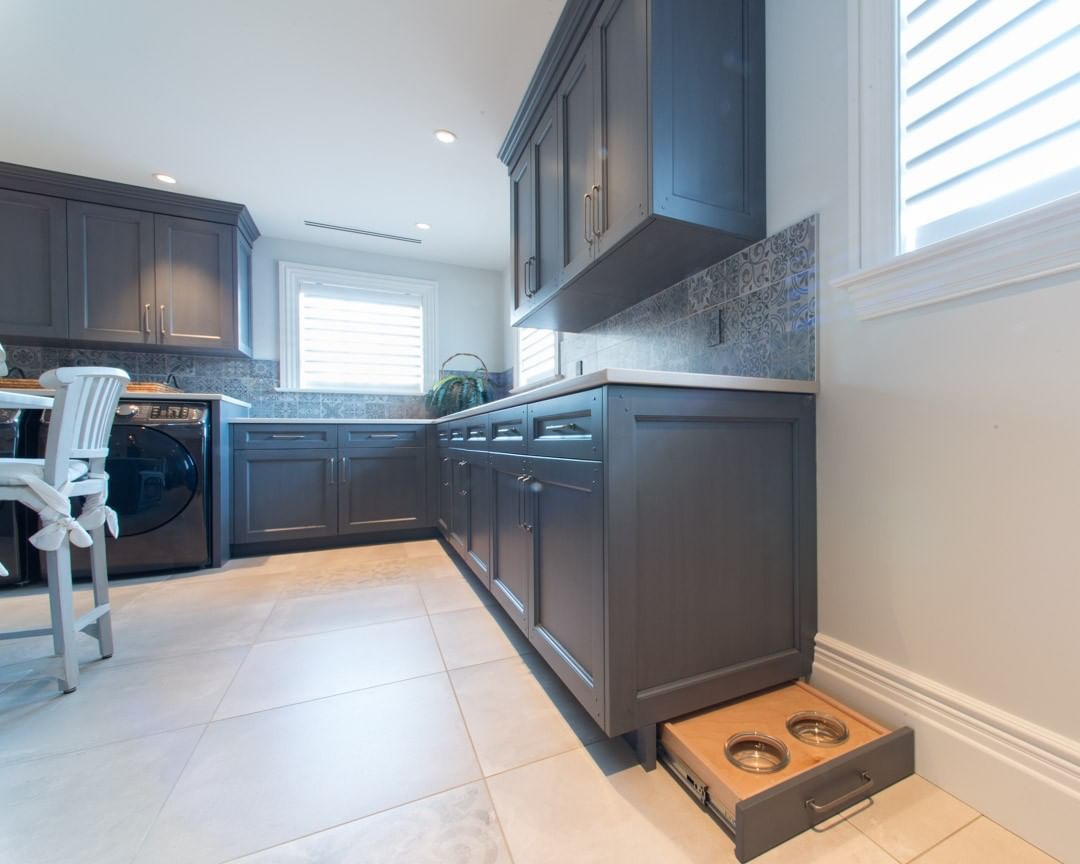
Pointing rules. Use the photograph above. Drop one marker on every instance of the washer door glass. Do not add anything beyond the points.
(152, 478)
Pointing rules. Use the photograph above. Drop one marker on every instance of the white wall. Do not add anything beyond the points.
(471, 306)
(948, 448)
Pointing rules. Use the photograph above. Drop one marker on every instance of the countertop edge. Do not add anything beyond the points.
(149, 396)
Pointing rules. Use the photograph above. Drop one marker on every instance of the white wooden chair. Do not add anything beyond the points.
(74, 466)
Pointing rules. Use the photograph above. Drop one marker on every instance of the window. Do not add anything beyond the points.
(537, 356)
(989, 111)
(355, 332)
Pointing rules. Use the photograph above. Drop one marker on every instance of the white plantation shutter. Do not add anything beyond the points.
(537, 356)
(989, 111)
(355, 331)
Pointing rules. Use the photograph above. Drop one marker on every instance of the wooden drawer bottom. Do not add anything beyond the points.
(813, 783)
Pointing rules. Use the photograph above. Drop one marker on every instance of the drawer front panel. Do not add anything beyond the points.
(442, 434)
(457, 434)
(476, 432)
(297, 436)
(382, 435)
(568, 427)
(508, 429)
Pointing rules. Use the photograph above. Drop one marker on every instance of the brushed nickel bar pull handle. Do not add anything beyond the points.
(564, 427)
(146, 318)
(383, 435)
(331, 464)
(844, 799)
(597, 231)
(588, 214)
(290, 436)
(505, 430)
(462, 463)
(161, 319)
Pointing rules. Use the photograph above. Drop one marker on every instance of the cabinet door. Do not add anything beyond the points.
(261, 513)
(110, 274)
(577, 124)
(459, 507)
(622, 188)
(381, 489)
(477, 535)
(547, 263)
(522, 228)
(445, 502)
(565, 512)
(511, 554)
(196, 283)
(33, 268)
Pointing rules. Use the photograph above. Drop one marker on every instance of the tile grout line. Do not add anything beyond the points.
(947, 837)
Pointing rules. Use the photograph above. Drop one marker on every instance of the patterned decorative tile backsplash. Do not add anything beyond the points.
(754, 313)
(254, 381)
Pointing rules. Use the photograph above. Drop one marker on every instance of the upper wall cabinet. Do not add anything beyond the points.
(658, 110)
(89, 262)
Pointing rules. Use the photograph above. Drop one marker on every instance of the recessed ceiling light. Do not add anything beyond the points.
(165, 178)
(423, 226)
(445, 136)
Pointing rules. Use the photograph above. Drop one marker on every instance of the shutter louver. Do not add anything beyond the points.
(536, 356)
(989, 111)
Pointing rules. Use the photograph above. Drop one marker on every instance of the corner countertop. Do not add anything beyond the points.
(563, 386)
(150, 396)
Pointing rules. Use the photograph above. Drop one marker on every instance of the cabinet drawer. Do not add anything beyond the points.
(288, 435)
(476, 432)
(442, 434)
(568, 427)
(802, 782)
(457, 434)
(382, 435)
(507, 430)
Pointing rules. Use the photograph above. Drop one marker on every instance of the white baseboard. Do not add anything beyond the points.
(1023, 776)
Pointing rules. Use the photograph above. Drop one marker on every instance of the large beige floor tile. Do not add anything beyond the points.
(546, 719)
(455, 827)
(284, 671)
(597, 805)
(479, 635)
(263, 779)
(114, 703)
(297, 616)
(837, 842)
(908, 818)
(984, 842)
(449, 594)
(92, 806)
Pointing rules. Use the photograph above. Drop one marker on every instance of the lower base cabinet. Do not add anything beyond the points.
(656, 545)
(303, 482)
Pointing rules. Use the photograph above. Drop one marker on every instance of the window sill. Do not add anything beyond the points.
(1023, 248)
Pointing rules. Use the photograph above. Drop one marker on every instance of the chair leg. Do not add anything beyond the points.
(100, 571)
(62, 600)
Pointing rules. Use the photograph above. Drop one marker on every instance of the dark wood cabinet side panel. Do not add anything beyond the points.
(33, 266)
(111, 274)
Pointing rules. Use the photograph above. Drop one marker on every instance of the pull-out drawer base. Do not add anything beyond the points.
(809, 782)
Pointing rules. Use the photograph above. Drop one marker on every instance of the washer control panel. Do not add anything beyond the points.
(163, 412)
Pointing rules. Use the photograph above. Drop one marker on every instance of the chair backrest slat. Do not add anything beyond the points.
(82, 415)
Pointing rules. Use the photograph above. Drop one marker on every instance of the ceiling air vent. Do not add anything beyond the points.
(379, 234)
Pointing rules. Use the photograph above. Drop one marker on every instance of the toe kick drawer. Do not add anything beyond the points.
(775, 764)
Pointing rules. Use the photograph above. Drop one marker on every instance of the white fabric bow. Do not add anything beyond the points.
(57, 521)
(96, 513)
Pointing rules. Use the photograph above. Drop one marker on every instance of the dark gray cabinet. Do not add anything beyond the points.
(264, 512)
(110, 279)
(523, 228)
(656, 545)
(472, 510)
(660, 121)
(445, 493)
(33, 265)
(308, 481)
(90, 262)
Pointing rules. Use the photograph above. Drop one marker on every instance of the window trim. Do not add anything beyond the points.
(557, 376)
(1025, 248)
(291, 275)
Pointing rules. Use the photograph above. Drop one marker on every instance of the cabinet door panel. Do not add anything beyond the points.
(111, 274)
(195, 275)
(577, 133)
(511, 543)
(262, 513)
(624, 119)
(33, 268)
(522, 227)
(446, 493)
(381, 489)
(566, 513)
(459, 507)
(478, 528)
(548, 261)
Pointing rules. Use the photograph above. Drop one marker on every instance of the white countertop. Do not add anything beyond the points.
(645, 377)
(24, 399)
(330, 421)
(147, 396)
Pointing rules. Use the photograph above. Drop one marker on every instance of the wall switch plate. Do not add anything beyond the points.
(715, 334)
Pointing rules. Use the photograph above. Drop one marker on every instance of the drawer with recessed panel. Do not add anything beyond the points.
(568, 427)
(381, 435)
(297, 436)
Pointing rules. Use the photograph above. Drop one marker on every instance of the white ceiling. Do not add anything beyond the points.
(301, 109)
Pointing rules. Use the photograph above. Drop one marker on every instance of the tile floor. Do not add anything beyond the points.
(363, 705)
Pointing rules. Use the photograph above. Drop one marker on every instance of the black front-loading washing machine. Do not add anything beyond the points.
(158, 466)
